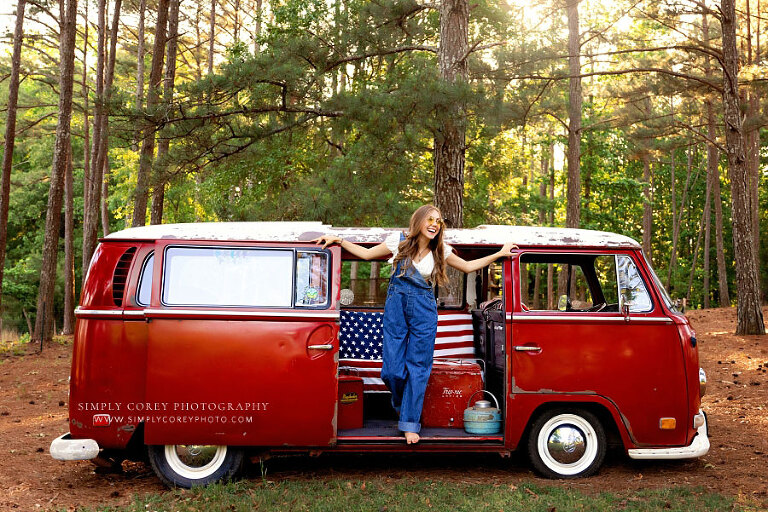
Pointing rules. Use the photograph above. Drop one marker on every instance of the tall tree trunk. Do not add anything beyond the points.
(92, 180)
(212, 37)
(708, 228)
(140, 68)
(675, 222)
(750, 317)
(713, 173)
(752, 137)
(69, 250)
(105, 197)
(141, 194)
(544, 174)
(140, 57)
(10, 139)
(704, 221)
(94, 204)
(450, 137)
(550, 267)
(45, 298)
(647, 206)
(158, 189)
(573, 196)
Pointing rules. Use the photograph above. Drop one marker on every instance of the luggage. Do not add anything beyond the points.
(350, 412)
(450, 385)
(490, 341)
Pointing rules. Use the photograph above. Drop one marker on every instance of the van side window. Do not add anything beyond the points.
(582, 283)
(144, 293)
(228, 276)
(311, 278)
(368, 281)
(452, 294)
(631, 286)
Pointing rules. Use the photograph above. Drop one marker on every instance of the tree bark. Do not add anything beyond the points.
(141, 194)
(158, 188)
(69, 251)
(450, 138)
(749, 314)
(94, 204)
(704, 222)
(10, 138)
(45, 298)
(212, 37)
(713, 173)
(647, 206)
(573, 195)
(140, 57)
(92, 181)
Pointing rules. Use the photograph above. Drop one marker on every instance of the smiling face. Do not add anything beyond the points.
(432, 224)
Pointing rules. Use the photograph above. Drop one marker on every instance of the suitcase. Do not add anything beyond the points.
(350, 404)
(450, 386)
(497, 354)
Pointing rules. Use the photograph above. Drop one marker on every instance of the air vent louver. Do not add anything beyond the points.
(121, 276)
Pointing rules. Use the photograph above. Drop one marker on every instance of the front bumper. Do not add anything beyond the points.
(66, 448)
(698, 447)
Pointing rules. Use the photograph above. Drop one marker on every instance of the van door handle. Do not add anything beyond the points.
(526, 348)
(328, 346)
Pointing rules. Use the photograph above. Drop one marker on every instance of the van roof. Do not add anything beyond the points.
(523, 236)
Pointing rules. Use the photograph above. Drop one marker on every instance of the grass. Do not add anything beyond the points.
(387, 495)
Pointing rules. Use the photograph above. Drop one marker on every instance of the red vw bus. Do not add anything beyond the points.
(199, 345)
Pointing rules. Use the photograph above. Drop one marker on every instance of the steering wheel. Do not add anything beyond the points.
(597, 307)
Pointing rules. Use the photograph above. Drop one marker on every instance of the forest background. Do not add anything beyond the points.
(638, 117)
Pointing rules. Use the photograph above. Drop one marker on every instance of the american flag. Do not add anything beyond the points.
(361, 337)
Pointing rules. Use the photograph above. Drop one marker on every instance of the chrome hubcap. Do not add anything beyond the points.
(196, 455)
(566, 444)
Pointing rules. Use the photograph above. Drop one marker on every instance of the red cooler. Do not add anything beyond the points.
(350, 402)
(450, 386)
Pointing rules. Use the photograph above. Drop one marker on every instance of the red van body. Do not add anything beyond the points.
(200, 344)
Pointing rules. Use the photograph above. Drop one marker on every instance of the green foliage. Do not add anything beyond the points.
(330, 112)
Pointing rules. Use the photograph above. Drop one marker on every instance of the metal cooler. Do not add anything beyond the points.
(450, 386)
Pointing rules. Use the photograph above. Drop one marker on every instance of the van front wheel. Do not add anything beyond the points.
(567, 444)
(189, 465)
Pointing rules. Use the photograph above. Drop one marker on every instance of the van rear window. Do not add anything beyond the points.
(227, 276)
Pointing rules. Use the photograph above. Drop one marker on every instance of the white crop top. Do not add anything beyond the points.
(427, 263)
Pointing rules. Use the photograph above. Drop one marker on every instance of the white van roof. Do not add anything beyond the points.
(523, 236)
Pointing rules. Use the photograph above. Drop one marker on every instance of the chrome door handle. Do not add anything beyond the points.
(526, 348)
(328, 346)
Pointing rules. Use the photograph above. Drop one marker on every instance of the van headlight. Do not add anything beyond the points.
(702, 382)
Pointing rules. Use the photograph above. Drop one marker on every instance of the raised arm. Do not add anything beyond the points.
(470, 266)
(375, 252)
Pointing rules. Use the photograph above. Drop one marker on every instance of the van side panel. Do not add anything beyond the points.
(109, 357)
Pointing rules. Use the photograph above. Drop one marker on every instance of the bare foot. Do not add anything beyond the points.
(411, 437)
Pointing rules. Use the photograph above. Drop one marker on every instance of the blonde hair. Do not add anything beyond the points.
(409, 248)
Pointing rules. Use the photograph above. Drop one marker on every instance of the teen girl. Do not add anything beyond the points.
(410, 313)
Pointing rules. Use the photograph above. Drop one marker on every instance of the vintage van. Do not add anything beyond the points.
(200, 345)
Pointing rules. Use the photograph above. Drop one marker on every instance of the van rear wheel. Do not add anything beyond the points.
(567, 443)
(188, 465)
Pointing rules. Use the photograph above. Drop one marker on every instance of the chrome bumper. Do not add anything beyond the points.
(66, 448)
(697, 448)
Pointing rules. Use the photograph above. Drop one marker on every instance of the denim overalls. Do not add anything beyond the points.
(410, 327)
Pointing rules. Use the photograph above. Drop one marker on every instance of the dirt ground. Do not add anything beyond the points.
(33, 411)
